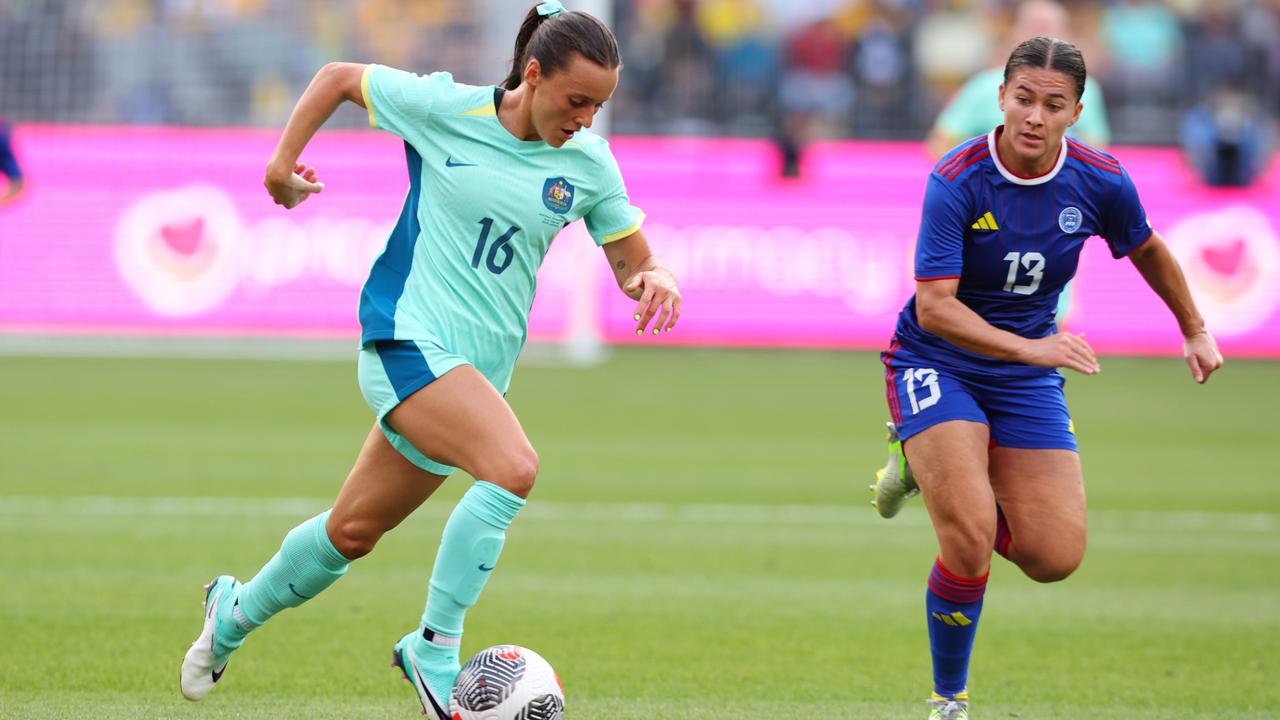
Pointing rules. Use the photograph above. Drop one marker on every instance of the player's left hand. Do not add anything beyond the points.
(658, 295)
(1202, 356)
(291, 189)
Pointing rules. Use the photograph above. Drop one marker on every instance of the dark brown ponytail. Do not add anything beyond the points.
(553, 39)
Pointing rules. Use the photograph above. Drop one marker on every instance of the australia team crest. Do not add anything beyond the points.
(557, 195)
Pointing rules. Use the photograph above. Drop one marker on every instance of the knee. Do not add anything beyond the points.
(967, 545)
(516, 472)
(354, 537)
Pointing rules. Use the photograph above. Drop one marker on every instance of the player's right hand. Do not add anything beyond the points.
(1202, 355)
(1063, 350)
(290, 190)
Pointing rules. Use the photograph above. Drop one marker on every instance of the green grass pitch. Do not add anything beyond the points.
(700, 544)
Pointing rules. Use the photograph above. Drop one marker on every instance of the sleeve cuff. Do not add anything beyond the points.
(364, 93)
(629, 230)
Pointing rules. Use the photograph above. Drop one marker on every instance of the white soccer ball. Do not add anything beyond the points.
(507, 682)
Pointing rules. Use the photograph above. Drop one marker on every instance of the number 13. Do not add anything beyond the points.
(1033, 263)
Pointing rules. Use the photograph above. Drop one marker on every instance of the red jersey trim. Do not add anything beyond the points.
(980, 155)
(1094, 154)
(949, 165)
(1113, 169)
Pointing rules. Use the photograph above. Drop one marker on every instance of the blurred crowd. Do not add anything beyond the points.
(208, 62)
(885, 68)
(860, 68)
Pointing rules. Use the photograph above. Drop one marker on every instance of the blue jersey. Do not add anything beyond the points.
(8, 162)
(1014, 242)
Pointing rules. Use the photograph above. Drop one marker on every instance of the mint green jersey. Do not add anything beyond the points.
(483, 207)
(975, 110)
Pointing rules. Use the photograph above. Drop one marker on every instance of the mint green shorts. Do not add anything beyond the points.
(392, 370)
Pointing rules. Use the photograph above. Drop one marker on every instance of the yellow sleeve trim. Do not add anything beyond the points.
(364, 93)
(624, 233)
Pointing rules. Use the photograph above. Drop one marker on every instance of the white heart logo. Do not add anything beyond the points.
(1229, 257)
(179, 249)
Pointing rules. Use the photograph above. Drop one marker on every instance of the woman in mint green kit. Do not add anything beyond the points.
(494, 174)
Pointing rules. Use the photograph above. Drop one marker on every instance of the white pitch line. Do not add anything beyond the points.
(689, 513)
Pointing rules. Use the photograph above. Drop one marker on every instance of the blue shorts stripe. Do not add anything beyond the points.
(405, 366)
(386, 280)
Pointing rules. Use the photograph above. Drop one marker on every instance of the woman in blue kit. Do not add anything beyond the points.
(9, 164)
(972, 371)
(494, 174)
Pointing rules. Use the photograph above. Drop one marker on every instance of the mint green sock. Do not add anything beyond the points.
(469, 549)
(306, 564)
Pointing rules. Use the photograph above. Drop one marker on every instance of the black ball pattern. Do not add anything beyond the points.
(543, 707)
(489, 678)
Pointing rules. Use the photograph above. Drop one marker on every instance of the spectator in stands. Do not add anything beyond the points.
(1143, 40)
(1227, 138)
(951, 42)
(685, 69)
(744, 60)
(882, 69)
(973, 112)
(817, 92)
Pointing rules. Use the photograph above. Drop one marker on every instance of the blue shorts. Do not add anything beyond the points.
(392, 370)
(1021, 411)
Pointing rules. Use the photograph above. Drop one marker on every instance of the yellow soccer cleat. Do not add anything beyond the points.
(949, 708)
(894, 481)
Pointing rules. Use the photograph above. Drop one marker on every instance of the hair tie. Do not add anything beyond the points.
(550, 8)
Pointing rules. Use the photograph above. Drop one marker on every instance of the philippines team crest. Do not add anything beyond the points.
(557, 195)
(1069, 219)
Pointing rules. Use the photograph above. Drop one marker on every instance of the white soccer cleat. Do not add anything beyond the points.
(433, 681)
(201, 667)
(894, 482)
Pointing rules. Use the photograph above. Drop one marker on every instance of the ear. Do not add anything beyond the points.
(533, 72)
(1076, 118)
(1000, 97)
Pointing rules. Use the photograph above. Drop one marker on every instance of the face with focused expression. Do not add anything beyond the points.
(568, 99)
(1039, 104)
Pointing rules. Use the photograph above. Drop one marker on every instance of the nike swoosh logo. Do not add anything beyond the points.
(440, 713)
(485, 569)
(294, 590)
(451, 164)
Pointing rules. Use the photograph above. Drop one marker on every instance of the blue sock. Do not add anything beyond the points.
(954, 605)
(306, 564)
(469, 549)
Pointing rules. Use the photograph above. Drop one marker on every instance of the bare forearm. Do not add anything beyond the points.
(624, 269)
(328, 89)
(955, 322)
(1160, 269)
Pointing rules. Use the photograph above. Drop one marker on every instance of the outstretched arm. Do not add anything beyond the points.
(645, 279)
(940, 312)
(1160, 269)
(288, 181)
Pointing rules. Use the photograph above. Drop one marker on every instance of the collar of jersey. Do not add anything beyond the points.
(490, 111)
(1018, 179)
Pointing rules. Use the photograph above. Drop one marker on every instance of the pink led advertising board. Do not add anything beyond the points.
(158, 231)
